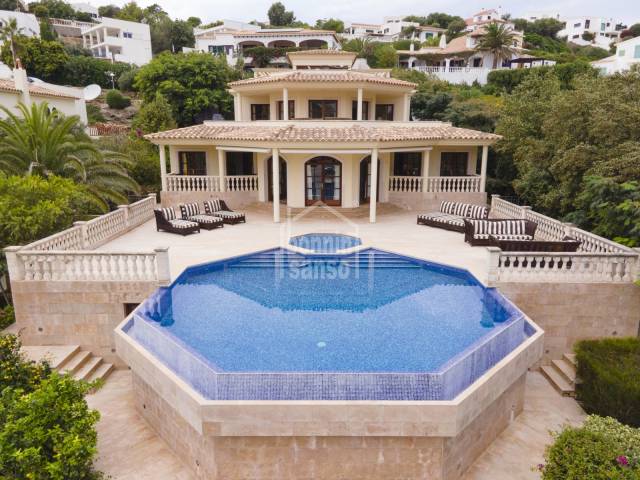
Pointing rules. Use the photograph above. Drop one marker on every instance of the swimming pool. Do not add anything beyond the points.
(324, 242)
(370, 325)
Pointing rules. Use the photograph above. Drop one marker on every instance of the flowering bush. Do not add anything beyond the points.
(602, 449)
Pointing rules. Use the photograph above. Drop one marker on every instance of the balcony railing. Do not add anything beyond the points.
(211, 183)
(467, 184)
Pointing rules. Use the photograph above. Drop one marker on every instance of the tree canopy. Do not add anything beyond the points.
(279, 16)
(330, 24)
(194, 84)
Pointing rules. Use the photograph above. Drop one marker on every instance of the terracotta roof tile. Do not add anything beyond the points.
(7, 85)
(313, 76)
(332, 132)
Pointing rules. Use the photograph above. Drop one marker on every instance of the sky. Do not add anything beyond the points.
(373, 10)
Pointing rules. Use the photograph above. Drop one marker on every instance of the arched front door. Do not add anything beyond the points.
(365, 180)
(323, 181)
(283, 179)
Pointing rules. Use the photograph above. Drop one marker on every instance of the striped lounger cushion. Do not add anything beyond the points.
(205, 219)
(212, 206)
(478, 211)
(226, 214)
(189, 210)
(443, 218)
(182, 223)
(169, 213)
(502, 230)
(455, 208)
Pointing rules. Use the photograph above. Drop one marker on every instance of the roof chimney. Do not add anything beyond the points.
(21, 82)
(443, 41)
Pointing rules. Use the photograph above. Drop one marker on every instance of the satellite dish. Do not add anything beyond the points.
(91, 92)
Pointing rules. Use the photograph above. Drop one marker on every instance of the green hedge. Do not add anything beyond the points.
(609, 373)
(602, 449)
(115, 99)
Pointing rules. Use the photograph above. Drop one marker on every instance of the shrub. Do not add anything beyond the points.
(603, 449)
(116, 100)
(47, 431)
(609, 371)
(7, 316)
(125, 82)
(94, 114)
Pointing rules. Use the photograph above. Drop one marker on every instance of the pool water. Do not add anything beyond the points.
(338, 322)
(324, 242)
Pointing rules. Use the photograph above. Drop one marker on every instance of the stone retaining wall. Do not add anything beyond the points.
(429, 201)
(235, 200)
(569, 312)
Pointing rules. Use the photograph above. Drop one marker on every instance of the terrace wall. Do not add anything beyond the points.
(235, 200)
(430, 201)
(569, 312)
(313, 457)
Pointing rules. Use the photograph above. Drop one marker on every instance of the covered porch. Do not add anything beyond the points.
(340, 176)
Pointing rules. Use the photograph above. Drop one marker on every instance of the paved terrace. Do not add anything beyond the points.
(396, 230)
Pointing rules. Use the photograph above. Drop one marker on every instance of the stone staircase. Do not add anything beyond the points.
(71, 359)
(562, 374)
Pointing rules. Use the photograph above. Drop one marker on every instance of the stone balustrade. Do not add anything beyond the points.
(193, 183)
(241, 183)
(68, 255)
(578, 267)
(598, 260)
(467, 184)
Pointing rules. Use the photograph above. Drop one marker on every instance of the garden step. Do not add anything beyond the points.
(88, 368)
(571, 358)
(567, 370)
(75, 363)
(102, 372)
(558, 381)
(55, 355)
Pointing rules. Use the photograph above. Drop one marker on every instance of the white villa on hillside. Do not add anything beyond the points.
(603, 30)
(389, 30)
(627, 54)
(27, 22)
(16, 87)
(326, 132)
(458, 60)
(119, 41)
(232, 38)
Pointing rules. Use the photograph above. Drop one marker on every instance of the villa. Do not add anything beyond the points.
(232, 38)
(390, 30)
(331, 335)
(627, 55)
(345, 138)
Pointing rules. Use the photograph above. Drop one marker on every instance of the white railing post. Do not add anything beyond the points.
(568, 229)
(15, 265)
(493, 270)
(222, 170)
(524, 211)
(162, 265)
(125, 209)
(83, 233)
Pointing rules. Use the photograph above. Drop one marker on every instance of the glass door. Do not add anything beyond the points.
(323, 181)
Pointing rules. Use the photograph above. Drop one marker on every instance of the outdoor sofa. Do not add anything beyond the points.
(191, 212)
(167, 221)
(218, 208)
(480, 232)
(452, 214)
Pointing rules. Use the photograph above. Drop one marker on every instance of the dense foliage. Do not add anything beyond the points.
(43, 142)
(560, 137)
(47, 431)
(602, 449)
(508, 79)
(609, 372)
(279, 16)
(194, 84)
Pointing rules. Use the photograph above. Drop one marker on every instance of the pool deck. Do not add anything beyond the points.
(130, 449)
(396, 230)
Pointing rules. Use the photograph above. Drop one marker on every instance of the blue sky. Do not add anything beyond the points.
(374, 10)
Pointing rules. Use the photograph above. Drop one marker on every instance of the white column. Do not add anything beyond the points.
(446, 64)
(285, 104)
(263, 178)
(373, 197)
(275, 160)
(407, 107)
(483, 168)
(163, 167)
(237, 107)
(359, 110)
(426, 158)
(385, 166)
(222, 170)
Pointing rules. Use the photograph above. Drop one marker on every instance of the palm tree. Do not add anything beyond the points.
(499, 41)
(38, 141)
(8, 33)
